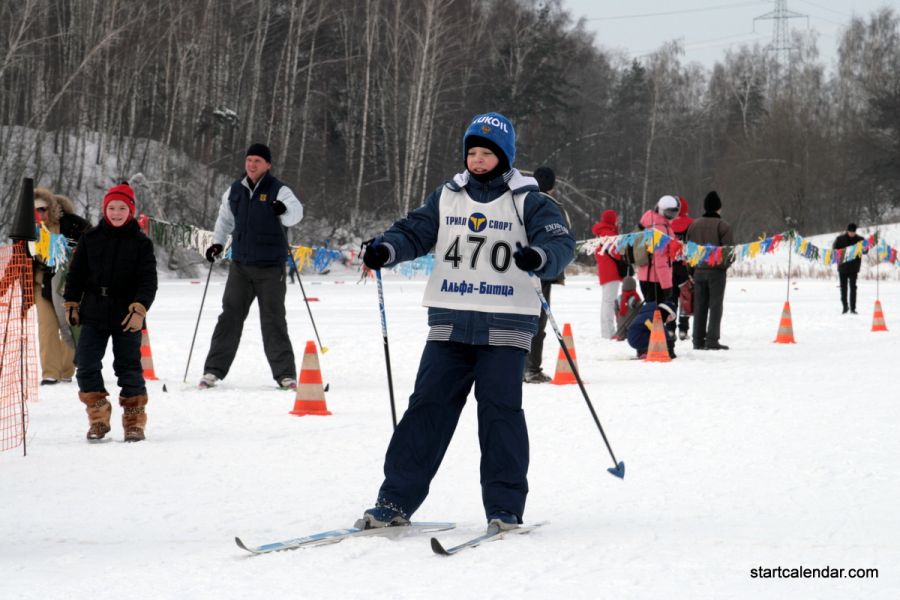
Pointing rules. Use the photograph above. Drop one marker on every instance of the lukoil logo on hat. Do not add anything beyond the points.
(495, 128)
(491, 119)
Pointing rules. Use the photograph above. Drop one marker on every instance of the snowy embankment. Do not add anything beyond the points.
(766, 455)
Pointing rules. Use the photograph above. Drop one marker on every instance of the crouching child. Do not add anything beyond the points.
(640, 329)
(111, 285)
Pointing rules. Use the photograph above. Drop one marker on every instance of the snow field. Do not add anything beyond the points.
(765, 455)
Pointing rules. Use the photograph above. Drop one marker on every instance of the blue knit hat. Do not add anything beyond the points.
(495, 128)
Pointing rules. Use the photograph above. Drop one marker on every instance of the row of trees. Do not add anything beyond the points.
(363, 103)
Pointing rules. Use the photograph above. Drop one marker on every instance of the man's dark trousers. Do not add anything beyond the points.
(709, 296)
(848, 280)
(245, 283)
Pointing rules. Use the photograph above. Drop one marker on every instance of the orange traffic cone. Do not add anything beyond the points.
(658, 350)
(785, 327)
(310, 399)
(878, 323)
(564, 374)
(147, 356)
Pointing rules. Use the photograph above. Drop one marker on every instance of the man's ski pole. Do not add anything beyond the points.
(296, 272)
(619, 469)
(197, 326)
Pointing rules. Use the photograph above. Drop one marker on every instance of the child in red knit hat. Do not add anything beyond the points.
(111, 285)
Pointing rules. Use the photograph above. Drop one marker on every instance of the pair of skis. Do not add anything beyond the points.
(338, 535)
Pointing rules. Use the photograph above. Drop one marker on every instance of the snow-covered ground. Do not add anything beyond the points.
(766, 455)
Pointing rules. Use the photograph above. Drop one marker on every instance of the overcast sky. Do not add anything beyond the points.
(708, 28)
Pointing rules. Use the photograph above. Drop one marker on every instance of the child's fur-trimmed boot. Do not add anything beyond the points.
(98, 410)
(134, 419)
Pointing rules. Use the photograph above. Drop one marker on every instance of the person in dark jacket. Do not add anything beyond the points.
(491, 229)
(848, 271)
(255, 210)
(534, 372)
(642, 325)
(709, 280)
(111, 286)
(57, 214)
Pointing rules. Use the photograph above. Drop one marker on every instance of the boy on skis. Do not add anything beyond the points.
(110, 287)
(490, 228)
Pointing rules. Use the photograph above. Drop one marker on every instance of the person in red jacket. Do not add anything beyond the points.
(111, 285)
(608, 272)
(682, 272)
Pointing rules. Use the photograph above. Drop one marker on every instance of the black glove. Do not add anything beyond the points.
(376, 255)
(527, 258)
(278, 207)
(213, 251)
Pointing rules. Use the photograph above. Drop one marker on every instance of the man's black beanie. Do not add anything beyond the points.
(712, 202)
(260, 150)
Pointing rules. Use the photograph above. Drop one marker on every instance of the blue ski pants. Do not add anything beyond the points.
(446, 374)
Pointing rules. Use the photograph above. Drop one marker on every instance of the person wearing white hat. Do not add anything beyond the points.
(656, 276)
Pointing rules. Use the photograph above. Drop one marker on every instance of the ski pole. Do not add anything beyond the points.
(296, 272)
(197, 326)
(387, 352)
(619, 469)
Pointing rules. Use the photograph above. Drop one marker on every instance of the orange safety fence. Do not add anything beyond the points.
(18, 366)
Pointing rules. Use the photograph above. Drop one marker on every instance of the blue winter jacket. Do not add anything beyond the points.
(545, 227)
(639, 332)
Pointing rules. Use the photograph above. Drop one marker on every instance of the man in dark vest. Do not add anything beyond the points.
(256, 211)
(847, 271)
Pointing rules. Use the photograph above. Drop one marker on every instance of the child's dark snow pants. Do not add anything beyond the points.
(92, 343)
(446, 374)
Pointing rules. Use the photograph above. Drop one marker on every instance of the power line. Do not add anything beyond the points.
(728, 40)
(837, 12)
(751, 35)
(675, 12)
(821, 18)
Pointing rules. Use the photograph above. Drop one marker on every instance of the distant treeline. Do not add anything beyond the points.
(364, 102)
